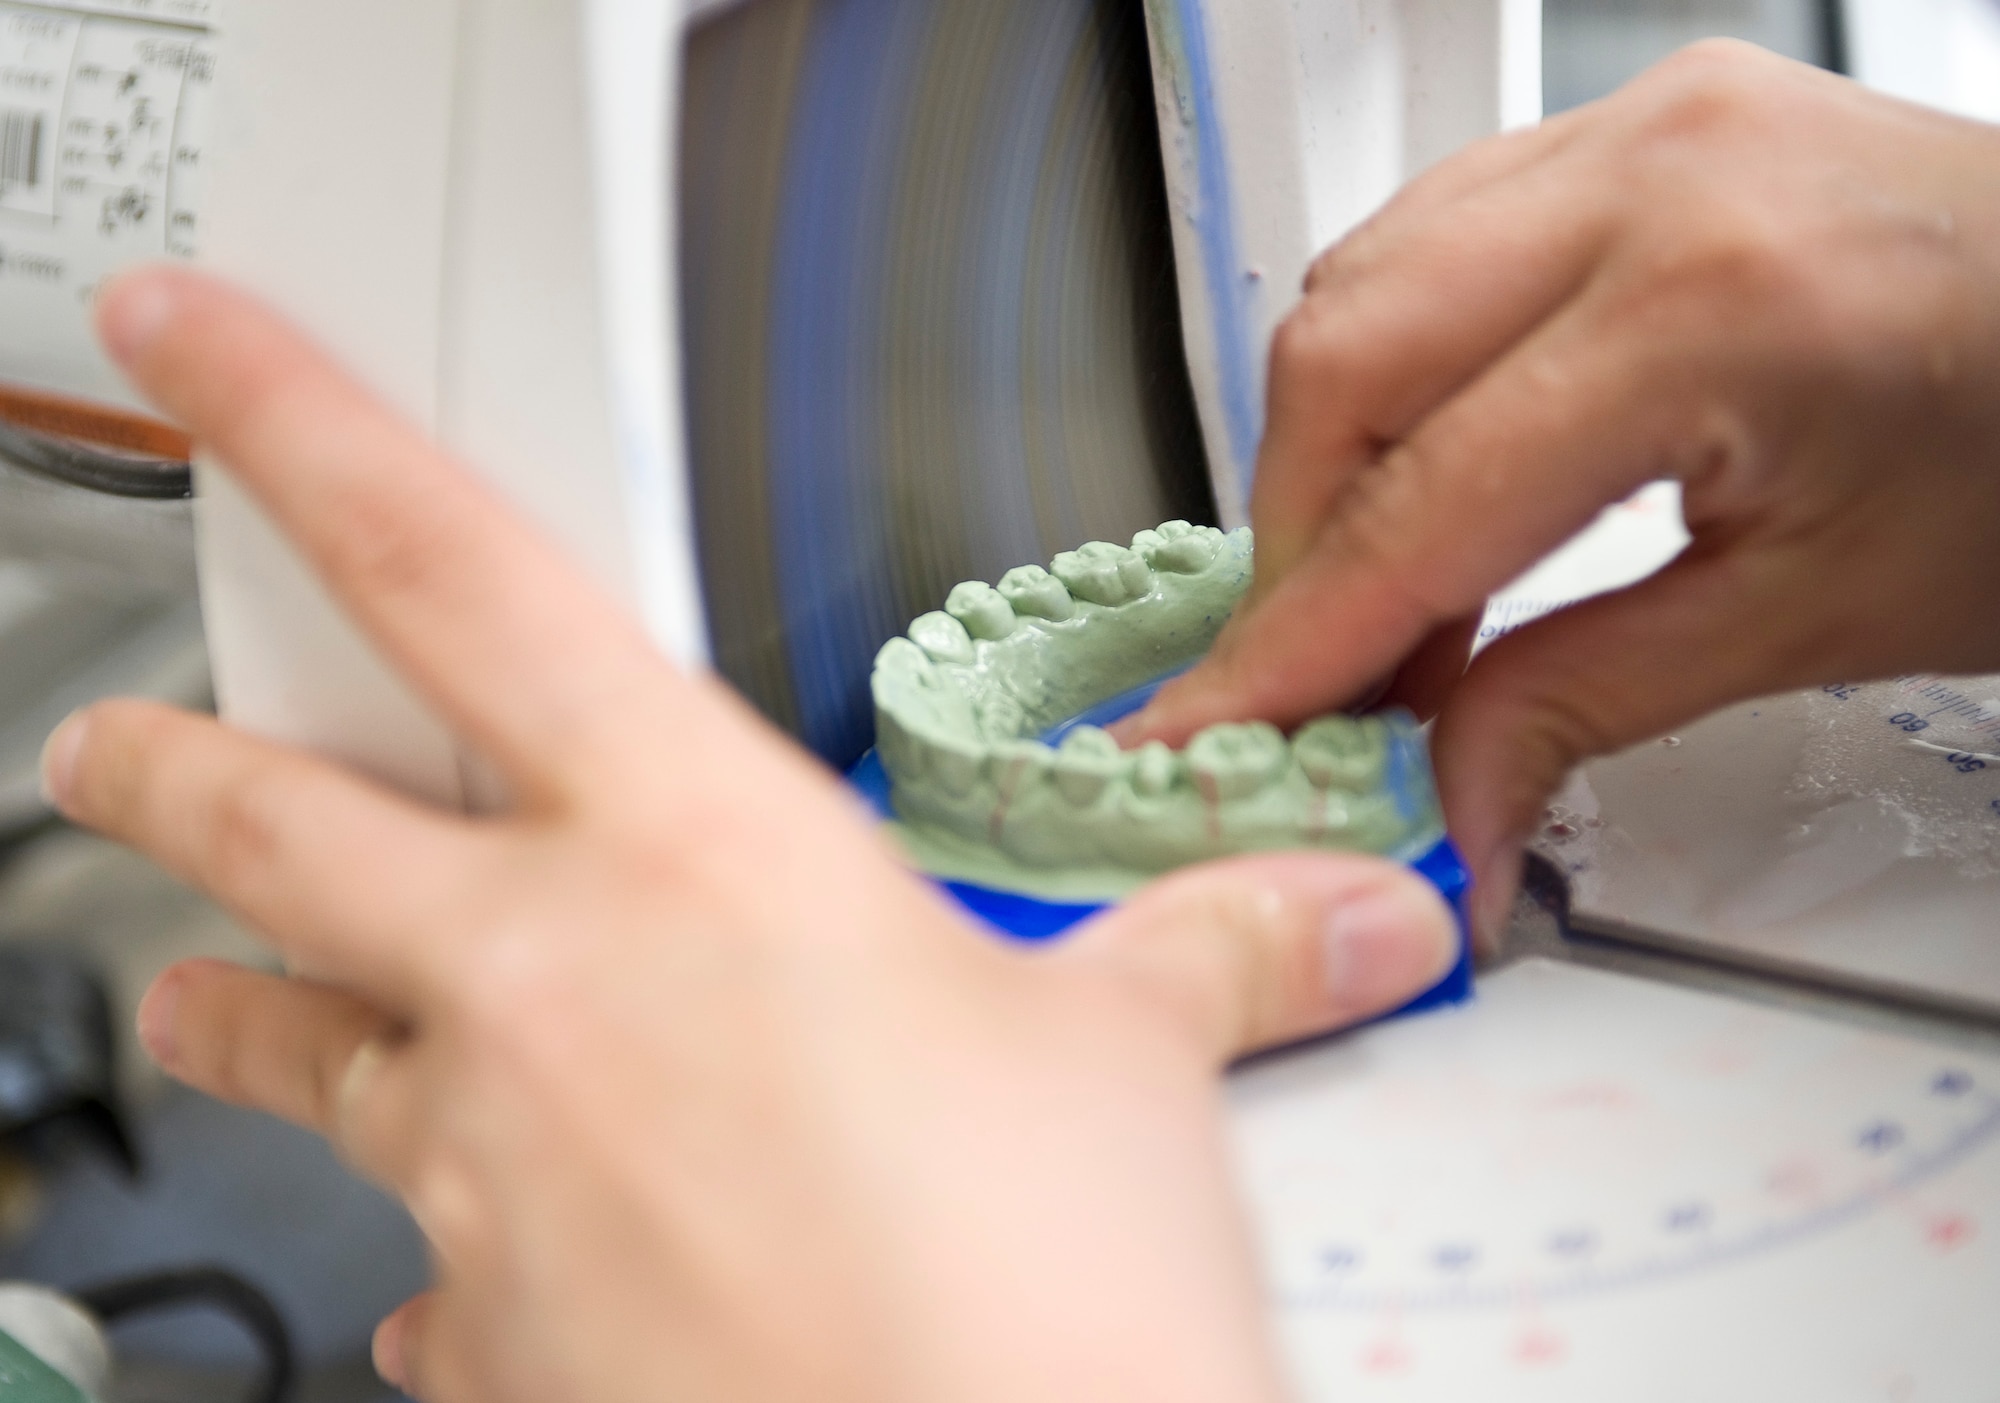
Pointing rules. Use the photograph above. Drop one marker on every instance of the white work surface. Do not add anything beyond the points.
(1587, 1185)
(1848, 834)
(1592, 1187)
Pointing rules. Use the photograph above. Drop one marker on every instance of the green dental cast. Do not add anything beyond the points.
(960, 702)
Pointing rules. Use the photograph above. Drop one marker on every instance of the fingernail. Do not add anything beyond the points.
(387, 1350)
(157, 1013)
(1389, 945)
(59, 754)
(1493, 893)
(131, 313)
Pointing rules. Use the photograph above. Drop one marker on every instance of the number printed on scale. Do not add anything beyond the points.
(1960, 708)
(1964, 761)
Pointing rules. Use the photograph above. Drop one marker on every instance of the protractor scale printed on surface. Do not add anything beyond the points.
(1792, 833)
(1579, 1155)
(1927, 745)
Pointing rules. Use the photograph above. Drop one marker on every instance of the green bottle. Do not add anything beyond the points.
(24, 1378)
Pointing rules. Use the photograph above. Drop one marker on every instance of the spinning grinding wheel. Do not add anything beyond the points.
(931, 321)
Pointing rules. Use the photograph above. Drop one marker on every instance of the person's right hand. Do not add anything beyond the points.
(1739, 272)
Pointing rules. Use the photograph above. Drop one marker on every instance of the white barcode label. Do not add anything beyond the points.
(21, 149)
(102, 118)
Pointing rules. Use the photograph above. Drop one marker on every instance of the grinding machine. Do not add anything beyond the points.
(788, 315)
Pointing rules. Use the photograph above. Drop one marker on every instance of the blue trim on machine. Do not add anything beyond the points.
(1222, 263)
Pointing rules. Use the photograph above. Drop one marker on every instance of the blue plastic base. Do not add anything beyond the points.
(1032, 920)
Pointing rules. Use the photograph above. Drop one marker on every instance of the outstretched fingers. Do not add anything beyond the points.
(315, 1056)
(340, 876)
(522, 653)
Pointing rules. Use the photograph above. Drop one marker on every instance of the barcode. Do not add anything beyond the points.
(20, 149)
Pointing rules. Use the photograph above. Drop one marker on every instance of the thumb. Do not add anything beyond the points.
(1615, 670)
(1260, 951)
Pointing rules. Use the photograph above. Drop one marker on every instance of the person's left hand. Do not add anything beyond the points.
(693, 1090)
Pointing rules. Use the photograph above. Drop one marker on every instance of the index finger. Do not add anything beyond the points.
(524, 656)
(1367, 478)
(1504, 473)
(1406, 312)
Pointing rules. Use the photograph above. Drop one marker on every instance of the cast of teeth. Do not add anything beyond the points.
(961, 701)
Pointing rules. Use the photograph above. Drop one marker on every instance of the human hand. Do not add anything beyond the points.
(1738, 272)
(694, 1092)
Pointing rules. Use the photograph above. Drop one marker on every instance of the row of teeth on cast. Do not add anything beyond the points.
(1225, 763)
(1099, 573)
(959, 700)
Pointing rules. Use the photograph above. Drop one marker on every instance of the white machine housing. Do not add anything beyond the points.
(472, 203)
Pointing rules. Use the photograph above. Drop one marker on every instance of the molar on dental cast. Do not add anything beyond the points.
(1339, 753)
(1235, 761)
(1103, 573)
(1033, 591)
(943, 637)
(1178, 548)
(1087, 763)
(983, 610)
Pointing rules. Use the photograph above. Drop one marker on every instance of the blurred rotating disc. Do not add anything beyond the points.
(931, 321)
